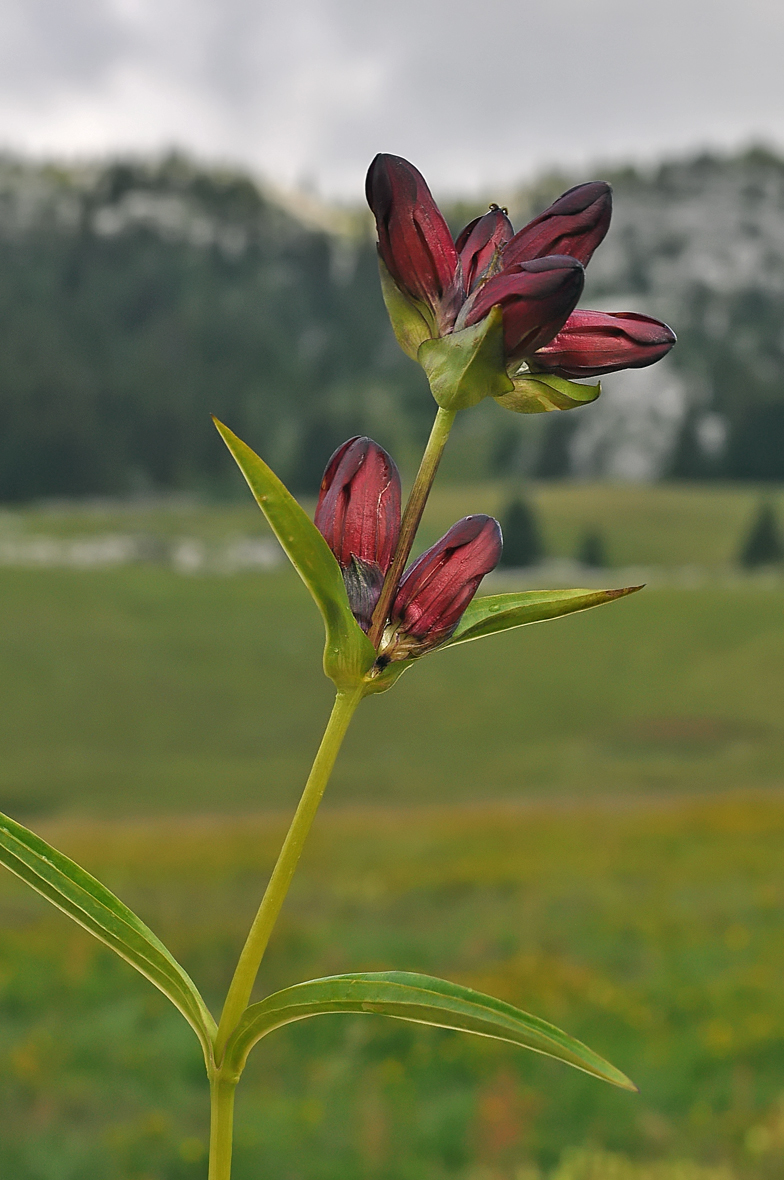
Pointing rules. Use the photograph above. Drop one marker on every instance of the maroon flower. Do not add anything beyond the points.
(417, 248)
(437, 588)
(593, 342)
(358, 514)
(535, 276)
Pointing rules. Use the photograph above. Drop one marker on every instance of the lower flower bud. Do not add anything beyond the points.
(438, 587)
(358, 514)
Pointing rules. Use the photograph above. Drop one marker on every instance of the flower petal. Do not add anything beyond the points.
(593, 342)
(413, 237)
(480, 244)
(575, 224)
(536, 298)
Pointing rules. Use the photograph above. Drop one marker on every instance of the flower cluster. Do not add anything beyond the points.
(358, 514)
(535, 276)
(491, 313)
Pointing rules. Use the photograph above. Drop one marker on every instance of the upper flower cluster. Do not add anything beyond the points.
(535, 276)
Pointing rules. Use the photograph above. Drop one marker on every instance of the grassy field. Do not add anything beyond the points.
(137, 690)
(654, 930)
(662, 525)
(584, 817)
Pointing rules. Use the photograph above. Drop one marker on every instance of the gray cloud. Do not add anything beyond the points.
(45, 47)
(314, 89)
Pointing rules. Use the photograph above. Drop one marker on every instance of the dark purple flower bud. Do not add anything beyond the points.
(413, 238)
(438, 587)
(536, 299)
(575, 224)
(594, 342)
(358, 514)
(480, 245)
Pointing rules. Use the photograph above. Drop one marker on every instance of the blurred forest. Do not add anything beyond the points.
(138, 297)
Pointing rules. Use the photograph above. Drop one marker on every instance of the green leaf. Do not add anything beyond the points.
(469, 365)
(421, 999)
(539, 392)
(348, 653)
(408, 318)
(73, 890)
(500, 612)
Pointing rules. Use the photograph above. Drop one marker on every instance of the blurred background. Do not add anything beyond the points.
(590, 825)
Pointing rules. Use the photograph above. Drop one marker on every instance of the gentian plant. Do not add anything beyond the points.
(490, 314)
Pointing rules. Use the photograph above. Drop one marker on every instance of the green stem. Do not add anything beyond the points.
(256, 943)
(221, 1127)
(411, 518)
(222, 1088)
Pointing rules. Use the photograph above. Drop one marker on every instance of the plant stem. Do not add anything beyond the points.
(256, 943)
(221, 1126)
(222, 1088)
(411, 518)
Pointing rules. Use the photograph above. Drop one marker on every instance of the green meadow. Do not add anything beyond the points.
(651, 928)
(585, 817)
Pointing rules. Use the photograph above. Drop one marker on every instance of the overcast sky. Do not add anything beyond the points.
(309, 90)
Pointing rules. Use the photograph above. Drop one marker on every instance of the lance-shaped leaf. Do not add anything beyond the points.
(73, 890)
(348, 653)
(500, 612)
(538, 393)
(467, 366)
(421, 999)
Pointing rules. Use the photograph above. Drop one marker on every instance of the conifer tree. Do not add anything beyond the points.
(763, 544)
(592, 551)
(523, 543)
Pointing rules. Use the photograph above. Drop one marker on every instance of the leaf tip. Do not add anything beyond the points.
(610, 1073)
(622, 591)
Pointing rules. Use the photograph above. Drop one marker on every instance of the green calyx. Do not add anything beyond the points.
(467, 366)
(538, 393)
(409, 319)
